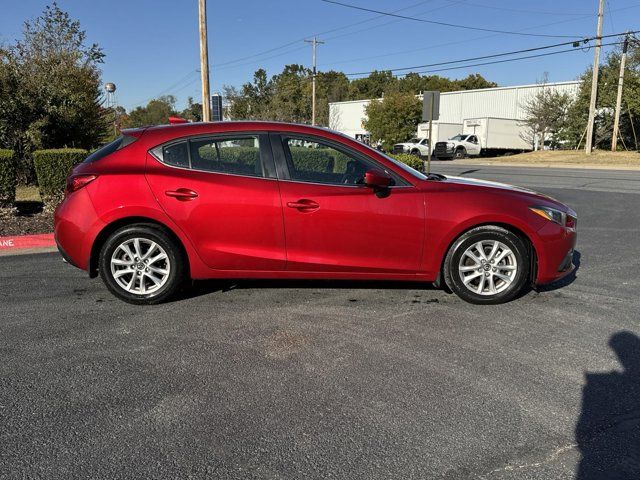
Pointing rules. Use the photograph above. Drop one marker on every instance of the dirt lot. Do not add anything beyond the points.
(559, 158)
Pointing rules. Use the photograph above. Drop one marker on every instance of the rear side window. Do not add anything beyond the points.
(110, 147)
(238, 155)
(176, 154)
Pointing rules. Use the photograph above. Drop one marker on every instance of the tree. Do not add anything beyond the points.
(372, 86)
(545, 116)
(156, 112)
(193, 112)
(331, 86)
(50, 94)
(394, 118)
(416, 83)
(576, 124)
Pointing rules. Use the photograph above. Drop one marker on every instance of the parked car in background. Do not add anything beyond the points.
(163, 205)
(415, 146)
(487, 137)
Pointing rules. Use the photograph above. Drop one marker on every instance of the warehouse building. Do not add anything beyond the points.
(455, 107)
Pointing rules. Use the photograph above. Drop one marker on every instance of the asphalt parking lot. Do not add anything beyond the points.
(334, 379)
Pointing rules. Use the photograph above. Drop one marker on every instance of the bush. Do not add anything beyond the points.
(240, 155)
(412, 160)
(8, 178)
(53, 168)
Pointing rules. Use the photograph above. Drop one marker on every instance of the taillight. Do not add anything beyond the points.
(76, 182)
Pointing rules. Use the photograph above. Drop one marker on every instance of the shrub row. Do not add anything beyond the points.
(241, 155)
(52, 169)
(412, 160)
(8, 178)
(307, 159)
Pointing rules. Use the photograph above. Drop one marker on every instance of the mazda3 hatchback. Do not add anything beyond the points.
(163, 205)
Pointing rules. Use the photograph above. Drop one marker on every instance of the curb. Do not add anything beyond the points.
(577, 166)
(27, 243)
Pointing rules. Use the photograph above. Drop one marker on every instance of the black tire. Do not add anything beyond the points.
(460, 153)
(454, 278)
(175, 259)
(415, 152)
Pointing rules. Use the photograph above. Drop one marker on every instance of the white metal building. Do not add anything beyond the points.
(499, 102)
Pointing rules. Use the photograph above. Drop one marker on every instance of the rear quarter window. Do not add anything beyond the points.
(111, 147)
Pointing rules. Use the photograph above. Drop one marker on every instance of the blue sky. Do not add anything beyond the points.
(152, 46)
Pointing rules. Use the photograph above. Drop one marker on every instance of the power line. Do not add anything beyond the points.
(294, 42)
(495, 55)
(534, 12)
(168, 89)
(434, 22)
(505, 61)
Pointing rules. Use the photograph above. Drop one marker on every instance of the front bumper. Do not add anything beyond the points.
(556, 252)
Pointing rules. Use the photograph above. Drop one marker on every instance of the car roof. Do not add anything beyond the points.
(157, 134)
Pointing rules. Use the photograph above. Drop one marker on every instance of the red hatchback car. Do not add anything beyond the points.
(161, 205)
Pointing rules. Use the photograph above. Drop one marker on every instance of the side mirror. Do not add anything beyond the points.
(377, 179)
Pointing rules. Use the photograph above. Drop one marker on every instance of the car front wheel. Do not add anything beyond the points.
(460, 153)
(487, 265)
(141, 264)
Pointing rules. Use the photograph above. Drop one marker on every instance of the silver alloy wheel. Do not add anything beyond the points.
(488, 267)
(140, 266)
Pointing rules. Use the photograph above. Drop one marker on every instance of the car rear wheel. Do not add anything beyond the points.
(460, 153)
(487, 265)
(141, 264)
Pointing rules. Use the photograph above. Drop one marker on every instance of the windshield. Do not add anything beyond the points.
(414, 140)
(458, 137)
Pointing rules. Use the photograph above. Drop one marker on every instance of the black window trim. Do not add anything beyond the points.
(282, 166)
(265, 152)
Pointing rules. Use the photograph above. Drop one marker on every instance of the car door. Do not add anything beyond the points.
(333, 222)
(424, 147)
(222, 192)
(473, 147)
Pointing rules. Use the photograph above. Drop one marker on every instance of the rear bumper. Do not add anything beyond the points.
(76, 225)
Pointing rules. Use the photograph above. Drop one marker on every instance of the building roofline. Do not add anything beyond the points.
(492, 89)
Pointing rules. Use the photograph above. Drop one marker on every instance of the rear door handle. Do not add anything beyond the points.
(182, 194)
(304, 205)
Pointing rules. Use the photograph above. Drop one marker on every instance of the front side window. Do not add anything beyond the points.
(238, 155)
(311, 161)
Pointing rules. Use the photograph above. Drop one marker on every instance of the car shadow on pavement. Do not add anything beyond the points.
(608, 430)
(563, 282)
(205, 287)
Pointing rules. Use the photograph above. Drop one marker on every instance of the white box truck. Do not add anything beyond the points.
(487, 137)
(420, 144)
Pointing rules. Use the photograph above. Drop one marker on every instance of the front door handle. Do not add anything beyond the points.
(304, 205)
(182, 194)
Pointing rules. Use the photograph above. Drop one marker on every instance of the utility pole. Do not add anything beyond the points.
(594, 80)
(204, 61)
(616, 122)
(315, 42)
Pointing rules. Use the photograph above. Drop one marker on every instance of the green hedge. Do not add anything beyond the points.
(53, 168)
(412, 160)
(240, 155)
(8, 178)
(319, 160)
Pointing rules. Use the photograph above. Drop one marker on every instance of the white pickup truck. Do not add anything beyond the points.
(415, 146)
(484, 137)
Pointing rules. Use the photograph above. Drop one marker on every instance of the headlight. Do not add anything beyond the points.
(555, 216)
